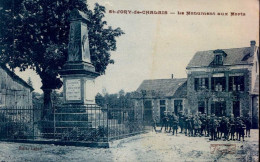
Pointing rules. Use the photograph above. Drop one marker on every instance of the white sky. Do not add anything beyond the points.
(156, 46)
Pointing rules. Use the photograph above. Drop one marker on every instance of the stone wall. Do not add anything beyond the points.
(226, 96)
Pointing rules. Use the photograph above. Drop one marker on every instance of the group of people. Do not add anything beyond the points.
(228, 128)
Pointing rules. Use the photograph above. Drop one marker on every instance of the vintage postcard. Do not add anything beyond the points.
(139, 80)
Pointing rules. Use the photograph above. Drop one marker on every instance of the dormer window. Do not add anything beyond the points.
(218, 60)
(219, 57)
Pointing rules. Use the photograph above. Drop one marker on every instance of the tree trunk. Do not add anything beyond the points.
(47, 103)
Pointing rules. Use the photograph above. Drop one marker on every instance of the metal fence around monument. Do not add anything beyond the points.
(19, 122)
(90, 123)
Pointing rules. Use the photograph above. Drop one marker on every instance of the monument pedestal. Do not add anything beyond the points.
(79, 111)
(78, 83)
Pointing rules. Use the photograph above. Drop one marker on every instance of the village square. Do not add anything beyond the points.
(211, 113)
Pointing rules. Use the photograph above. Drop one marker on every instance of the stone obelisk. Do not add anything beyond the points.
(78, 73)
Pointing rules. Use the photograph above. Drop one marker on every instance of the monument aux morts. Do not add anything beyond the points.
(79, 109)
(78, 73)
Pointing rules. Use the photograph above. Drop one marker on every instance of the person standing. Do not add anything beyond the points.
(237, 127)
(219, 127)
(181, 122)
(197, 126)
(213, 124)
(207, 130)
(203, 124)
(154, 123)
(248, 126)
(241, 129)
(225, 127)
(185, 124)
(164, 122)
(175, 124)
(190, 125)
(232, 125)
(170, 123)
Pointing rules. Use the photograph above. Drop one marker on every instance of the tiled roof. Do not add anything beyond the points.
(235, 56)
(161, 88)
(15, 77)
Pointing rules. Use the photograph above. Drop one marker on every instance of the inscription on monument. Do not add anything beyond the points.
(73, 89)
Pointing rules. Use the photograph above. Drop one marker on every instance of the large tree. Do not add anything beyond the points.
(34, 34)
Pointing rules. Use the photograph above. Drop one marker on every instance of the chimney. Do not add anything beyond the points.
(172, 76)
(252, 44)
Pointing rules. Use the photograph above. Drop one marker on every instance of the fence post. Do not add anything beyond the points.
(33, 109)
(107, 124)
(54, 128)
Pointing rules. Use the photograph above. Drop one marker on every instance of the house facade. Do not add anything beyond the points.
(225, 82)
(156, 96)
(14, 92)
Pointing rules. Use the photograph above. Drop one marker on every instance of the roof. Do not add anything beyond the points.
(161, 88)
(234, 56)
(15, 77)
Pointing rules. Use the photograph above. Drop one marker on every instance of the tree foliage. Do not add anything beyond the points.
(117, 100)
(34, 34)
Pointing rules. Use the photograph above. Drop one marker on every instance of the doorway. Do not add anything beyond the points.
(236, 108)
(218, 108)
(148, 111)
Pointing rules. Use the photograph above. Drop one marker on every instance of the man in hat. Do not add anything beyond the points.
(175, 124)
(213, 124)
(181, 121)
(185, 124)
(207, 129)
(225, 127)
(203, 124)
(232, 126)
(248, 126)
(165, 121)
(241, 129)
(170, 121)
(197, 126)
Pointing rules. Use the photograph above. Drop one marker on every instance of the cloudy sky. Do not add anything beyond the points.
(156, 46)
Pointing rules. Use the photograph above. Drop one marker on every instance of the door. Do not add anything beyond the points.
(162, 109)
(236, 108)
(219, 108)
(147, 111)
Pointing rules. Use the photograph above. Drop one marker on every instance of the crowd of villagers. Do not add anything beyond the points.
(217, 128)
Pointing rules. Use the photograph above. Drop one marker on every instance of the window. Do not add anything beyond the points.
(218, 84)
(219, 57)
(162, 102)
(162, 109)
(201, 83)
(201, 107)
(148, 104)
(177, 106)
(236, 83)
(218, 60)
